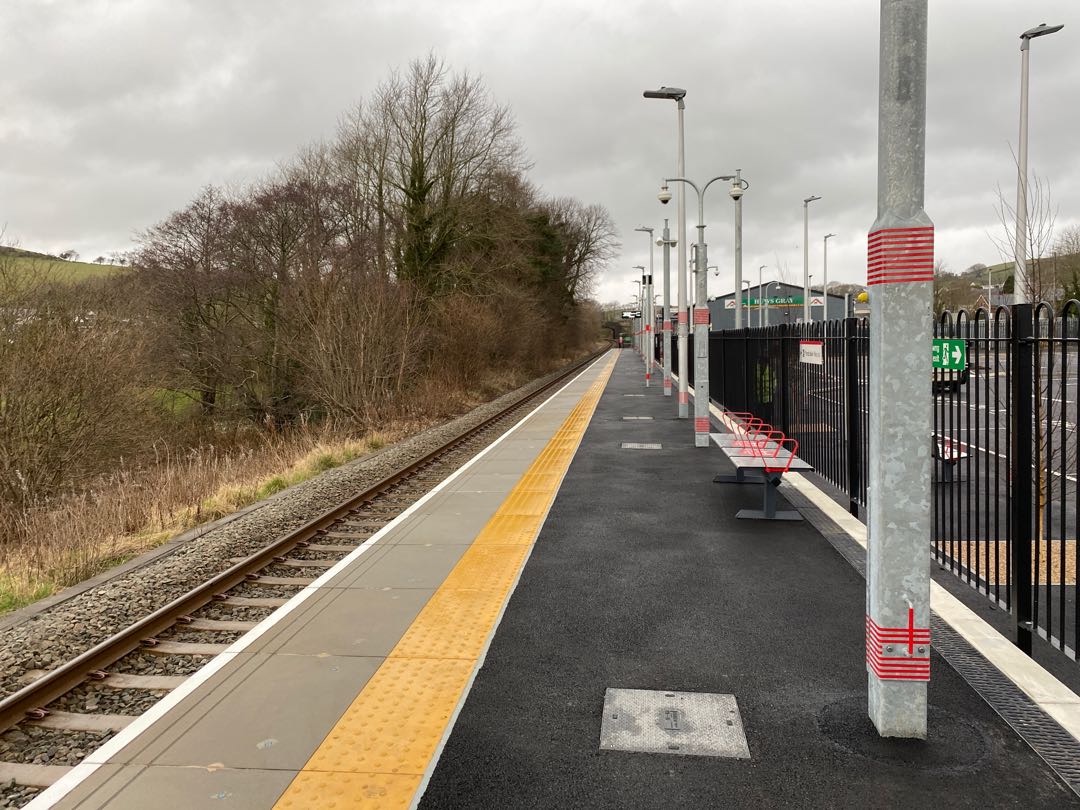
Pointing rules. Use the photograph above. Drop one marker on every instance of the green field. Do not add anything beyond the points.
(28, 264)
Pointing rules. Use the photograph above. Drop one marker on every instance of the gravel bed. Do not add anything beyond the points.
(97, 699)
(30, 745)
(201, 636)
(265, 591)
(149, 664)
(234, 613)
(73, 626)
(312, 554)
(279, 570)
(12, 795)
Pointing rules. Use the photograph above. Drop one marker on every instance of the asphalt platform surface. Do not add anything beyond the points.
(642, 578)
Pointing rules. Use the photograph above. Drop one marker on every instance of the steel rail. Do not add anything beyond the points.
(89, 665)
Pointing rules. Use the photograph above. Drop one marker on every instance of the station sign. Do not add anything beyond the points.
(630, 314)
(949, 354)
(777, 301)
(812, 351)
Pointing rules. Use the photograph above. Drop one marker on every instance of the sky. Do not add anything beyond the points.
(117, 112)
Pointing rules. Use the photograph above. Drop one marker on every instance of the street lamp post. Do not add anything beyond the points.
(825, 273)
(677, 94)
(806, 255)
(736, 192)
(649, 323)
(637, 326)
(760, 315)
(666, 241)
(771, 285)
(701, 309)
(1020, 284)
(646, 317)
(746, 283)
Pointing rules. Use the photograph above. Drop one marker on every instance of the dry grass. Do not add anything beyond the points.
(134, 510)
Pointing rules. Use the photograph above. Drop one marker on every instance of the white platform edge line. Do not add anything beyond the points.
(437, 755)
(77, 775)
(1046, 691)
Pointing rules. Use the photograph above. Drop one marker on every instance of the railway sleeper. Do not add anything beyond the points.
(38, 776)
(160, 683)
(74, 721)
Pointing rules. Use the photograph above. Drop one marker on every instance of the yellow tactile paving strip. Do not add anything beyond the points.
(377, 754)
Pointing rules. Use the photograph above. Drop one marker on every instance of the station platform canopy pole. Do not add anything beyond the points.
(900, 271)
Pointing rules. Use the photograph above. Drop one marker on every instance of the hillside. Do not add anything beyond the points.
(28, 263)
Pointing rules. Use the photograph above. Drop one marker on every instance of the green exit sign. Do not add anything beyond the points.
(949, 354)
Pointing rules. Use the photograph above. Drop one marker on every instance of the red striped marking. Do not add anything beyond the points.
(900, 255)
(684, 397)
(667, 326)
(667, 382)
(701, 316)
(701, 424)
(912, 667)
(682, 317)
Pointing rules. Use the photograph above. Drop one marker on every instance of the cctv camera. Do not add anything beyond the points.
(736, 192)
(664, 196)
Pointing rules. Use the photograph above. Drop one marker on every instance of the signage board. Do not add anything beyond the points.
(775, 301)
(817, 302)
(949, 354)
(730, 303)
(812, 351)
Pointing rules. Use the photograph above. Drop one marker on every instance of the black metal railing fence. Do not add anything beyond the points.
(1006, 494)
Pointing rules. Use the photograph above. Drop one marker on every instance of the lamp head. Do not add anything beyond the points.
(673, 93)
(1040, 30)
(810, 199)
(645, 229)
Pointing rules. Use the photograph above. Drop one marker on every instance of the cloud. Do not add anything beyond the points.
(116, 113)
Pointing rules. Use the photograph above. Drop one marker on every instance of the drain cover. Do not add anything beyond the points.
(641, 446)
(683, 723)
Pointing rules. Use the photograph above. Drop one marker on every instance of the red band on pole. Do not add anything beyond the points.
(701, 424)
(684, 397)
(667, 326)
(898, 653)
(701, 316)
(682, 317)
(900, 255)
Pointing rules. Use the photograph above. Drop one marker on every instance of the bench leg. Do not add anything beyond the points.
(768, 511)
(738, 478)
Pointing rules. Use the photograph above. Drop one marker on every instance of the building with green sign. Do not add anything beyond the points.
(783, 303)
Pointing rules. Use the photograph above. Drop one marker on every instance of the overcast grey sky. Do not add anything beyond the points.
(116, 112)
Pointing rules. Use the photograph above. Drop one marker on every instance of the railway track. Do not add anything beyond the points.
(60, 717)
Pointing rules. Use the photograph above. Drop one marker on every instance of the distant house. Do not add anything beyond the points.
(777, 303)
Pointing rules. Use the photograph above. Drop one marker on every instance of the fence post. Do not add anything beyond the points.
(781, 379)
(851, 410)
(1023, 490)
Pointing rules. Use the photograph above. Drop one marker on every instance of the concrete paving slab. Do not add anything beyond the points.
(187, 788)
(453, 503)
(254, 717)
(350, 621)
(451, 529)
(422, 566)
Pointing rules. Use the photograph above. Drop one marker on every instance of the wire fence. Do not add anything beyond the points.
(1004, 442)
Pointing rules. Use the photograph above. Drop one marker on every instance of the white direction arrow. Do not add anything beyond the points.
(957, 354)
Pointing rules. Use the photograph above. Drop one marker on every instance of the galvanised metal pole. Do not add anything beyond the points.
(701, 333)
(806, 256)
(760, 313)
(736, 194)
(825, 274)
(900, 271)
(667, 310)
(1021, 282)
(646, 318)
(682, 326)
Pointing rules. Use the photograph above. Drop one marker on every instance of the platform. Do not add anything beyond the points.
(382, 687)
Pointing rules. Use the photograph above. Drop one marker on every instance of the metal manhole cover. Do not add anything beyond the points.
(682, 723)
(641, 446)
(637, 418)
